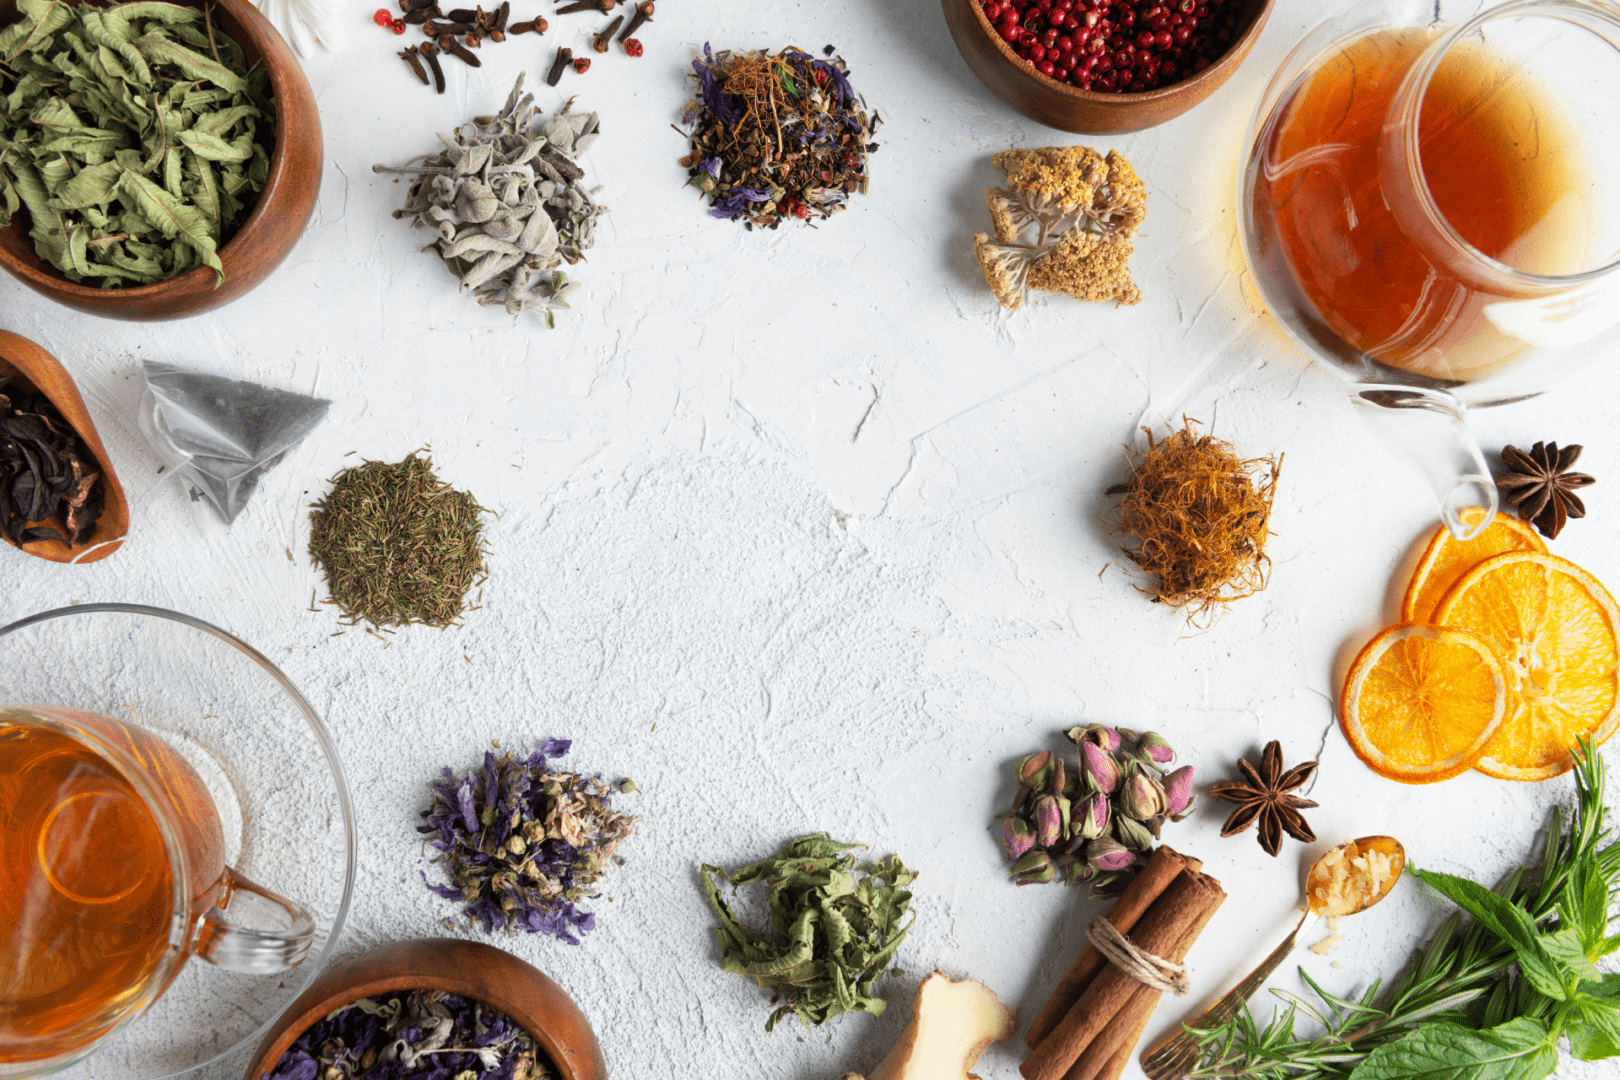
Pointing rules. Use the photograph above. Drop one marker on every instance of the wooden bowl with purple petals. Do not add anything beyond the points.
(468, 969)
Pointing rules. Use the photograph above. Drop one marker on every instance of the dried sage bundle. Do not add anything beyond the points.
(132, 135)
(506, 198)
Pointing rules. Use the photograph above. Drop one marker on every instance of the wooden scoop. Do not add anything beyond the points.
(37, 369)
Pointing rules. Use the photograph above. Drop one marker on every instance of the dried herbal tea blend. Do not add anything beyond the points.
(423, 1034)
(508, 201)
(45, 470)
(1063, 223)
(398, 546)
(776, 136)
(134, 135)
(835, 929)
(1095, 820)
(523, 842)
(1201, 517)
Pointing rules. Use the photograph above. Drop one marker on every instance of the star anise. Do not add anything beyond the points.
(1265, 798)
(1540, 486)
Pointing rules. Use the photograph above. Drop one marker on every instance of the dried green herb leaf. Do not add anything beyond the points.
(161, 49)
(41, 19)
(836, 927)
(173, 218)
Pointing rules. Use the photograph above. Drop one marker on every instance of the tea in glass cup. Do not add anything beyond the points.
(112, 873)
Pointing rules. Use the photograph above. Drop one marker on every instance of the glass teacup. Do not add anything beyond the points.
(1435, 213)
(112, 875)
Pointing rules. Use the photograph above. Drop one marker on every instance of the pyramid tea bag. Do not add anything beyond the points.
(222, 434)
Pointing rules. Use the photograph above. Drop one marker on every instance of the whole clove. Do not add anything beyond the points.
(419, 17)
(473, 41)
(564, 55)
(601, 41)
(415, 5)
(587, 5)
(410, 56)
(463, 15)
(430, 52)
(459, 51)
(435, 29)
(501, 15)
(532, 26)
(643, 14)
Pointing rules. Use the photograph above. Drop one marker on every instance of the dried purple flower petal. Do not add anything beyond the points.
(522, 844)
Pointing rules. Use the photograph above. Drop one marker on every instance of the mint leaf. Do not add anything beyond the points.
(1567, 948)
(1507, 921)
(1521, 1049)
(1593, 1029)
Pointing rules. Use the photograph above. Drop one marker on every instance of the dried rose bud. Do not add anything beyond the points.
(1094, 815)
(1178, 793)
(1141, 797)
(1100, 768)
(1034, 771)
(1108, 884)
(1048, 821)
(1128, 735)
(1076, 873)
(1133, 834)
(1106, 853)
(1060, 776)
(1016, 837)
(1105, 737)
(1035, 868)
(1154, 750)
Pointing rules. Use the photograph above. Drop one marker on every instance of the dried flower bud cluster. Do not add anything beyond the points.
(523, 843)
(507, 200)
(423, 1034)
(1082, 210)
(1094, 821)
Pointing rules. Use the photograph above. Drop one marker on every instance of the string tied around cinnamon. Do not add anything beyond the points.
(1151, 971)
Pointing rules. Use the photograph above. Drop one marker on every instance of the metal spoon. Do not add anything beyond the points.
(1175, 1055)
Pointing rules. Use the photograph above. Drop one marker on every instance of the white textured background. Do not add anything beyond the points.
(799, 530)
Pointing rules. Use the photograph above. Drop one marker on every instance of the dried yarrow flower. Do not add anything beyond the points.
(421, 1034)
(1083, 209)
(522, 842)
(508, 201)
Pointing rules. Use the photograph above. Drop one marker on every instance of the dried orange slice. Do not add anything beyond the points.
(1554, 627)
(1447, 559)
(1422, 702)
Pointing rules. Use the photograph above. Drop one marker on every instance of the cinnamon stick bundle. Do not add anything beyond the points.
(1107, 1017)
(1162, 867)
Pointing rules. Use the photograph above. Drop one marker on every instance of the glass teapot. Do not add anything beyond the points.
(1433, 210)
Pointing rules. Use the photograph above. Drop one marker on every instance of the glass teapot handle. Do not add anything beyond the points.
(1431, 428)
(226, 943)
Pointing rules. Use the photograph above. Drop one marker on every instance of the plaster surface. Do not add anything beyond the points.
(800, 531)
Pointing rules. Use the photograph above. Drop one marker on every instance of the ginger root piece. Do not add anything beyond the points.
(1083, 209)
(950, 1027)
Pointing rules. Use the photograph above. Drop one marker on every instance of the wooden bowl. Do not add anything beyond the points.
(39, 370)
(1057, 104)
(265, 237)
(468, 968)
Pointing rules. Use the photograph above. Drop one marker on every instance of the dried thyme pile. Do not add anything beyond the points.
(523, 842)
(134, 135)
(776, 136)
(507, 200)
(422, 1034)
(398, 546)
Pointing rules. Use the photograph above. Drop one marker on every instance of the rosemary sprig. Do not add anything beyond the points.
(1464, 976)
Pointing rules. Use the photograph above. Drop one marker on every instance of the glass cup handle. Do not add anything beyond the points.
(281, 936)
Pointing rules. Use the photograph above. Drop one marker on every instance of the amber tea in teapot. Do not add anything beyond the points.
(1321, 201)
